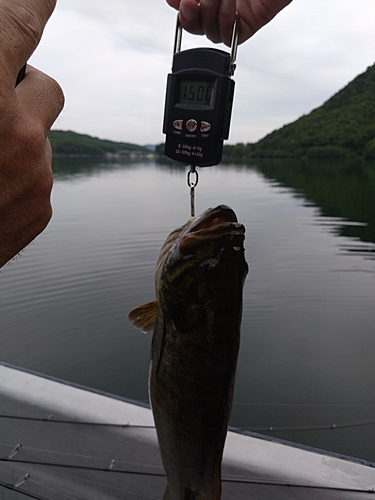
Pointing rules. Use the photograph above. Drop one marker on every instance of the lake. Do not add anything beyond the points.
(307, 359)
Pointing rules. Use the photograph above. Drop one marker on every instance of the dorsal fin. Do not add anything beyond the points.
(143, 317)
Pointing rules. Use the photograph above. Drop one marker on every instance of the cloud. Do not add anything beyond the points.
(112, 59)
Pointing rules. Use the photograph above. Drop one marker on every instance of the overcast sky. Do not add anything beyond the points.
(112, 58)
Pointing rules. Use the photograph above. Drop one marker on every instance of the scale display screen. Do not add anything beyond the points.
(195, 92)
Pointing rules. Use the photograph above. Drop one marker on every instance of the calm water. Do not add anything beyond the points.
(307, 354)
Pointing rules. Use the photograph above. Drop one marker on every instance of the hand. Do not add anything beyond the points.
(27, 112)
(215, 18)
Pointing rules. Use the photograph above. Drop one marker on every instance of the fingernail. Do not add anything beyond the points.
(207, 2)
(226, 5)
(187, 13)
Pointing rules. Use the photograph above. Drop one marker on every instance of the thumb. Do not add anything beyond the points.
(40, 97)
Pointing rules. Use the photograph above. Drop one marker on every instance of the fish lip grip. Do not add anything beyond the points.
(198, 104)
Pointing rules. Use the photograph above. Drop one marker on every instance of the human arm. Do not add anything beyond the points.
(26, 114)
(215, 18)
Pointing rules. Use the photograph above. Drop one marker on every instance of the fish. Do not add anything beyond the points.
(195, 320)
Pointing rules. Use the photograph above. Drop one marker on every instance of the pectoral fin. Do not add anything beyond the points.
(143, 317)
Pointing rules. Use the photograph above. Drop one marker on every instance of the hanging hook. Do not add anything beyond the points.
(192, 181)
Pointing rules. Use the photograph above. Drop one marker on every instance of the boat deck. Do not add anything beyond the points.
(65, 442)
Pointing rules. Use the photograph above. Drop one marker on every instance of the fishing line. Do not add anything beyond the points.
(224, 480)
(66, 496)
(110, 469)
(84, 467)
(71, 457)
(77, 422)
(21, 492)
(300, 405)
(159, 474)
(309, 428)
(292, 485)
(271, 428)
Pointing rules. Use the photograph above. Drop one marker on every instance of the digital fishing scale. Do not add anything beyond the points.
(198, 105)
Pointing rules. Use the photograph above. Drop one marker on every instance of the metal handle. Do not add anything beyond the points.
(178, 37)
(233, 47)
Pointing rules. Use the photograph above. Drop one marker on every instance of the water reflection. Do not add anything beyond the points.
(344, 190)
(308, 329)
(68, 168)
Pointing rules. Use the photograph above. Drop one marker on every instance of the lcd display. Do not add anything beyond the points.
(195, 92)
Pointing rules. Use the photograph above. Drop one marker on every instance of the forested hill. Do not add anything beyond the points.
(343, 126)
(68, 143)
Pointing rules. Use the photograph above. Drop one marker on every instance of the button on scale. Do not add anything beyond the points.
(177, 124)
(205, 127)
(192, 125)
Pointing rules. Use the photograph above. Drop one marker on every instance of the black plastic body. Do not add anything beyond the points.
(202, 147)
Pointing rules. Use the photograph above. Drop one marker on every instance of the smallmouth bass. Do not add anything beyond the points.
(196, 322)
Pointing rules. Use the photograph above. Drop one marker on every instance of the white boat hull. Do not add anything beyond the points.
(81, 459)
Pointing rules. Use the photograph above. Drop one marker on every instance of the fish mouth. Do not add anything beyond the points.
(212, 224)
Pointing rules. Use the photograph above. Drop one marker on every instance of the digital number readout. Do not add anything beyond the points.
(195, 93)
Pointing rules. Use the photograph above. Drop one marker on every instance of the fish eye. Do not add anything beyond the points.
(204, 268)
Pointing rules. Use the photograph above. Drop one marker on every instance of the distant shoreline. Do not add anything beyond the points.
(340, 129)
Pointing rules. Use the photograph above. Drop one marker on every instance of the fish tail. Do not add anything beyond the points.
(213, 494)
(188, 494)
(167, 494)
(212, 491)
